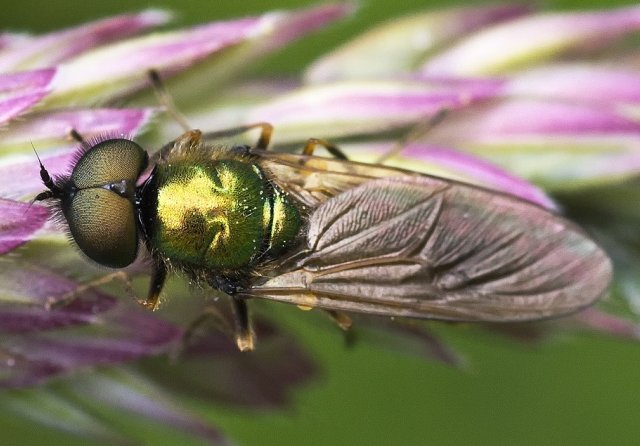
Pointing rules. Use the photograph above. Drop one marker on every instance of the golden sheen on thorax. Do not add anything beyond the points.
(217, 214)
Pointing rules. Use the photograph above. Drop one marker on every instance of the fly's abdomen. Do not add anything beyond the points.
(219, 215)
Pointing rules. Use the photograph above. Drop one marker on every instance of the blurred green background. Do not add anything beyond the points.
(576, 389)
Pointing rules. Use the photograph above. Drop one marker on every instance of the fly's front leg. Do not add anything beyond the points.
(55, 303)
(158, 277)
(266, 131)
(189, 141)
(165, 99)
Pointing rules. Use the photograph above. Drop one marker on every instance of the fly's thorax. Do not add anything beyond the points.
(216, 214)
(285, 223)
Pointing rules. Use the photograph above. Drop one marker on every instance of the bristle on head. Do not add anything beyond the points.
(86, 144)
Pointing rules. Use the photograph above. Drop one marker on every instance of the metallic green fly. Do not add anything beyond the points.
(324, 232)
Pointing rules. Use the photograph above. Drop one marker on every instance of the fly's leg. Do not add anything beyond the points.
(158, 277)
(165, 99)
(190, 137)
(54, 303)
(345, 323)
(313, 143)
(167, 102)
(244, 334)
(195, 139)
(309, 150)
(209, 314)
(417, 132)
(266, 130)
(341, 319)
(241, 331)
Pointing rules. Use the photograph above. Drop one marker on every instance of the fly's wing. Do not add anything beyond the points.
(425, 247)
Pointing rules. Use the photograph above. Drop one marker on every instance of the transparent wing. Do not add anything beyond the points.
(425, 247)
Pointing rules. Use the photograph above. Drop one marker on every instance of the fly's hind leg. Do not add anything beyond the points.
(341, 319)
(345, 323)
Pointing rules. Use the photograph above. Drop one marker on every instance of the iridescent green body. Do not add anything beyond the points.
(218, 215)
(344, 236)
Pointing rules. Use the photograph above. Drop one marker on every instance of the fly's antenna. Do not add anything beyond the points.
(54, 191)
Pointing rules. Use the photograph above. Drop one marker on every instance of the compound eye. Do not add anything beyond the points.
(108, 162)
(102, 220)
(103, 225)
